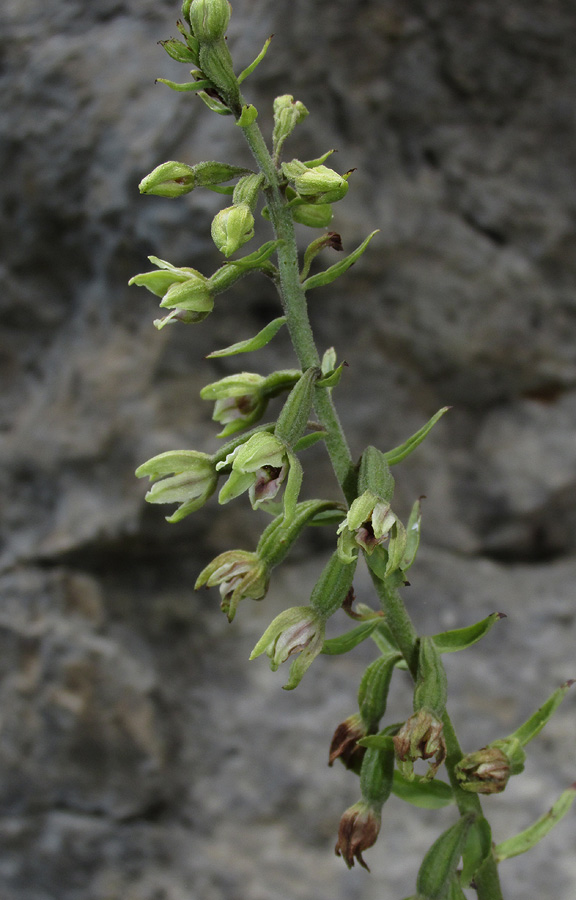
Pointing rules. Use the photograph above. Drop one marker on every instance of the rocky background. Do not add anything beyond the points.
(141, 756)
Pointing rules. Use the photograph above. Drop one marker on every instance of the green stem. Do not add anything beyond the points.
(293, 299)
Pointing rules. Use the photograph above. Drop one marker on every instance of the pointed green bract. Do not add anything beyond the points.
(532, 835)
(461, 638)
(256, 343)
(399, 453)
(423, 794)
(346, 642)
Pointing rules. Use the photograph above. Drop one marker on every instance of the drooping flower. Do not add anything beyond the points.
(358, 831)
(296, 630)
(484, 772)
(420, 737)
(259, 466)
(192, 479)
(240, 574)
(367, 525)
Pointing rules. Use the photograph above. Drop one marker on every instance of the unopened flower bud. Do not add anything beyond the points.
(209, 19)
(193, 479)
(318, 183)
(358, 831)
(484, 772)
(287, 114)
(240, 574)
(420, 737)
(232, 228)
(170, 179)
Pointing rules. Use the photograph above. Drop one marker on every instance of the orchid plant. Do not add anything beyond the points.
(264, 461)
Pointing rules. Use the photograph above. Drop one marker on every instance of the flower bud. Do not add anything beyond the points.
(193, 479)
(420, 737)
(170, 179)
(358, 831)
(259, 466)
(232, 228)
(484, 772)
(287, 114)
(240, 574)
(209, 19)
(296, 630)
(316, 184)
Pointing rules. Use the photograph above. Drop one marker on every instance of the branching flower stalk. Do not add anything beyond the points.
(264, 461)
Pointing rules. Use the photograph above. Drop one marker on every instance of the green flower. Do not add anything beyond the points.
(297, 630)
(182, 289)
(240, 401)
(259, 466)
(240, 574)
(367, 525)
(192, 480)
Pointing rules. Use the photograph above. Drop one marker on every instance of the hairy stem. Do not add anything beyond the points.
(294, 304)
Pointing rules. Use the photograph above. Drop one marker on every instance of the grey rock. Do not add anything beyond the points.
(142, 757)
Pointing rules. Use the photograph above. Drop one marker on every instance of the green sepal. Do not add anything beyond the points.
(211, 102)
(308, 440)
(532, 835)
(440, 863)
(199, 86)
(179, 51)
(346, 642)
(403, 450)
(332, 378)
(329, 275)
(248, 115)
(476, 851)
(376, 775)
(226, 449)
(538, 720)
(431, 688)
(255, 343)
(294, 415)
(249, 69)
(373, 690)
(413, 529)
(329, 592)
(312, 215)
(461, 638)
(423, 794)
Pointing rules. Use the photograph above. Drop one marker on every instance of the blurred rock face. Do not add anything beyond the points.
(141, 757)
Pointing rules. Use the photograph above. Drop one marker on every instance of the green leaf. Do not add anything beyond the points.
(332, 378)
(329, 275)
(528, 838)
(346, 642)
(424, 794)
(477, 850)
(441, 861)
(399, 453)
(376, 742)
(461, 638)
(255, 343)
